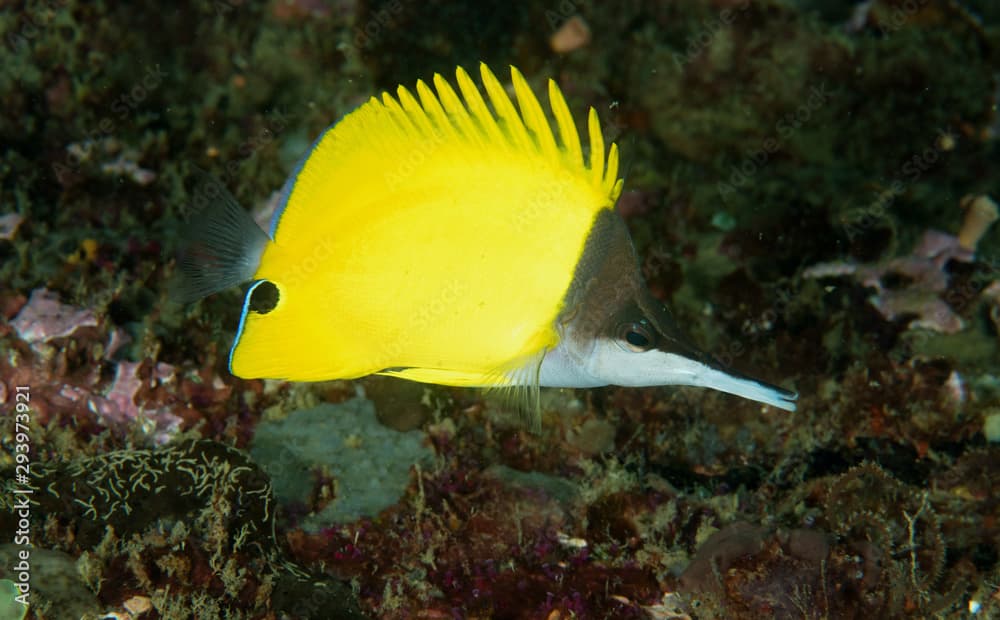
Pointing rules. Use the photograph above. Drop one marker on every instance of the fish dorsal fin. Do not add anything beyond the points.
(420, 125)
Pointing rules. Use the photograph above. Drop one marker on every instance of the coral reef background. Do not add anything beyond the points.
(810, 187)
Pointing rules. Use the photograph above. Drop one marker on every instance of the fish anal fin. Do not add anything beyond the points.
(439, 376)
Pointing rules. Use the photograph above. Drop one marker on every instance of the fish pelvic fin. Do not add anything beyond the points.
(518, 389)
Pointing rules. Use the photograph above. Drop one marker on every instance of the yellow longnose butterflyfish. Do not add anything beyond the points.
(448, 237)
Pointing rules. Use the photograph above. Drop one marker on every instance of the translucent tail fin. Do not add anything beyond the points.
(223, 244)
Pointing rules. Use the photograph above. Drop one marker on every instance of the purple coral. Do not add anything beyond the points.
(926, 275)
(45, 318)
(9, 224)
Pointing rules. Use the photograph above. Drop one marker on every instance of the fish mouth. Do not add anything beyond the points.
(739, 384)
(672, 341)
(707, 371)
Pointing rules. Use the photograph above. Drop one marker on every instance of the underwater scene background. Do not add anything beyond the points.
(810, 186)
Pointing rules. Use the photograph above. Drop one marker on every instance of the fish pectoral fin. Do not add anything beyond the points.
(520, 389)
(525, 400)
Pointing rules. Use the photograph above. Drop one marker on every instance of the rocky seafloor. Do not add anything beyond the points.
(810, 186)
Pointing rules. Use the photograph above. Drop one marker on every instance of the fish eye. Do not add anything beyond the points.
(636, 337)
(263, 297)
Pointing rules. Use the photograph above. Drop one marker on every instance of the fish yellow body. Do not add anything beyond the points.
(448, 237)
(448, 240)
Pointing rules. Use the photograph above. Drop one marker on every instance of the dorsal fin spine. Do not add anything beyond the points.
(477, 106)
(611, 176)
(402, 121)
(456, 111)
(415, 112)
(534, 117)
(568, 134)
(445, 116)
(508, 116)
(596, 147)
(442, 123)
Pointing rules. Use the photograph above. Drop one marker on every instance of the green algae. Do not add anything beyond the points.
(369, 463)
(10, 607)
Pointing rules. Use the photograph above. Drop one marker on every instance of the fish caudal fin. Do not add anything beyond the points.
(223, 244)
